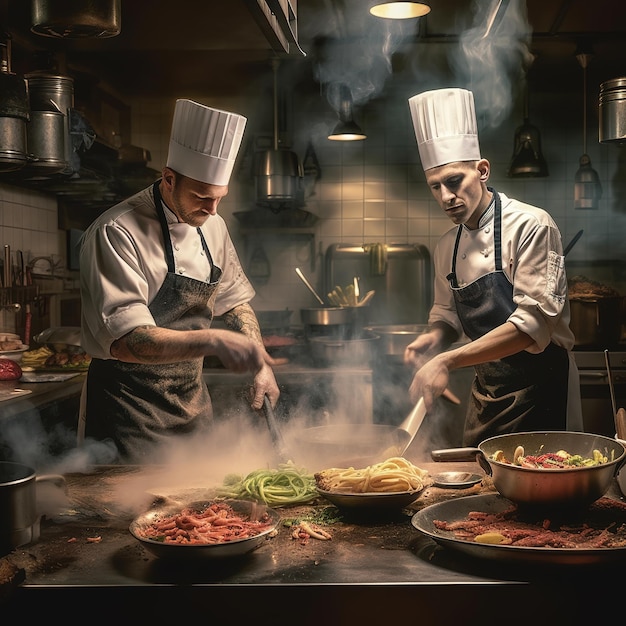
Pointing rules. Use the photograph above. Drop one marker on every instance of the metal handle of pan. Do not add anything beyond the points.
(462, 454)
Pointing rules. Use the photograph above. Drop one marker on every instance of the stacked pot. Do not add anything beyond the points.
(14, 113)
(48, 135)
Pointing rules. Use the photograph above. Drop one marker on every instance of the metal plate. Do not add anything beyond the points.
(371, 501)
(211, 551)
(458, 509)
(456, 480)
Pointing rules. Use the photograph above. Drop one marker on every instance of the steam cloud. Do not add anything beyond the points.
(489, 58)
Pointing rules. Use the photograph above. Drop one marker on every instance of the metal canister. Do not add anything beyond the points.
(53, 92)
(612, 110)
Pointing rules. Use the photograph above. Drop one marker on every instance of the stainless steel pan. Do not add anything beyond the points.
(458, 509)
(237, 548)
(575, 487)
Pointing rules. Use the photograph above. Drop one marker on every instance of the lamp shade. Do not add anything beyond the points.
(400, 9)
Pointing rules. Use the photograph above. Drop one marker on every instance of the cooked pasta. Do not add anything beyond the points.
(392, 475)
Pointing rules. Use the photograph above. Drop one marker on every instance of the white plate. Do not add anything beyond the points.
(14, 355)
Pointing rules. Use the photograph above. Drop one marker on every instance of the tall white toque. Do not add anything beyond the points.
(204, 142)
(445, 126)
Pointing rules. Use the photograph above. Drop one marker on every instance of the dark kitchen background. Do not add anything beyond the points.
(534, 66)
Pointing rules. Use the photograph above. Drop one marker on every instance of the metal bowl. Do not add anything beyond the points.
(372, 500)
(240, 547)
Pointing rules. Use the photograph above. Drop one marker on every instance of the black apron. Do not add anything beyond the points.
(140, 406)
(522, 392)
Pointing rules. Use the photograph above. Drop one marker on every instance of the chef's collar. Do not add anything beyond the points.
(487, 214)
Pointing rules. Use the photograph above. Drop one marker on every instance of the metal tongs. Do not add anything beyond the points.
(272, 425)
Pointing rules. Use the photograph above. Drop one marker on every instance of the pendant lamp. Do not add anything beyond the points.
(346, 129)
(400, 9)
(587, 187)
(528, 160)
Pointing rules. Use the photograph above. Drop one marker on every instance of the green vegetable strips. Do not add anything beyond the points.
(287, 484)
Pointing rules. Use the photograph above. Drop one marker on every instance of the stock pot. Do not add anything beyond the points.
(19, 515)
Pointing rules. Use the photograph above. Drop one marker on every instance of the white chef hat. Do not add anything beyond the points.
(204, 142)
(445, 126)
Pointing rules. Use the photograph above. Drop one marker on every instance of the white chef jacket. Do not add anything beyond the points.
(122, 267)
(532, 259)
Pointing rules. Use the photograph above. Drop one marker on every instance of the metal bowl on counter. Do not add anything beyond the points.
(339, 322)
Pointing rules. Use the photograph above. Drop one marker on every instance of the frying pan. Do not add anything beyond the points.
(458, 509)
(345, 445)
(550, 488)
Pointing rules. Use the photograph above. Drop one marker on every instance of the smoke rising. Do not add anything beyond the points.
(489, 57)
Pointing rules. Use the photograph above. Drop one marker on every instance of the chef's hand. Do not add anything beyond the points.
(421, 349)
(264, 385)
(239, 353)
(429, 382)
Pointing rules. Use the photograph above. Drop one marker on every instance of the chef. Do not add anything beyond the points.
(155, 270)
(499, 282)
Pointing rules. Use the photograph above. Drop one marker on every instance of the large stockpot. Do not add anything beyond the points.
(547, 488)
(46, 141)
(19, 515)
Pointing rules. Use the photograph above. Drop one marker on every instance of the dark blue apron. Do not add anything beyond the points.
(522, 392)
(140, 406)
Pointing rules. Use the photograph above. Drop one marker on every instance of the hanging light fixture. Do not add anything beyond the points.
(528, 160)
(400, 9)
(346, 129)
(587, 187)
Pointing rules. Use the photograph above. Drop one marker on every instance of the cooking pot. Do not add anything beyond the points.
(395, 338)
(612, 110)
(19, 515)
(88, 18)
(341, 321)
(14, 116)
(46, 139)
(329, 351)
(596, 321)
(575, 487)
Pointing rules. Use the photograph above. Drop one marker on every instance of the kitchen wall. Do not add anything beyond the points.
(369, 191)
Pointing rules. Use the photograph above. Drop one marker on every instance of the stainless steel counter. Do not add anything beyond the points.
(374, 571)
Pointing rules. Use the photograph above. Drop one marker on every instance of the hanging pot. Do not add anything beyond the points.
(88, 18)
(612, 111)
(53, 92)
(14, 114)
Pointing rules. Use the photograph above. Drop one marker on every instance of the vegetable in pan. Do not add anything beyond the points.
(550, 460)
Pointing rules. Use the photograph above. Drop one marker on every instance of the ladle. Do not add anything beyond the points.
(405, 432)
(309, 286)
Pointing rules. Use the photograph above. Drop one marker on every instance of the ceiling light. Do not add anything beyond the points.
(528, 160)
(346, 129)
(400, 10)
(587, 187)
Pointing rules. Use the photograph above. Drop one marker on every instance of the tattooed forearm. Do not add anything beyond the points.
(243, 319)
